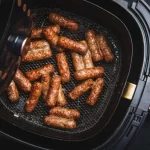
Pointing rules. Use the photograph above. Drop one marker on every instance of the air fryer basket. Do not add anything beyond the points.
(90, 116)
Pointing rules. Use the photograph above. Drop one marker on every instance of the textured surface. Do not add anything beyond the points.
(89, 115)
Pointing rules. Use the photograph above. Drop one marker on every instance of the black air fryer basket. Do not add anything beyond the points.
(125, 95)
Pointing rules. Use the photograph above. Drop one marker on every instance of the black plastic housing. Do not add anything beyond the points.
(128, 117)
(118, 29)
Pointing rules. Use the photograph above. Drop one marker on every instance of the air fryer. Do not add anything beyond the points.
(124, 103)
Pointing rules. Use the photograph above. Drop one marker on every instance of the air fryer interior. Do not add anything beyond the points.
(115, 27)
(101, 18)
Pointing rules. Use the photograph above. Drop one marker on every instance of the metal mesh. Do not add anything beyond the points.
(89, 115)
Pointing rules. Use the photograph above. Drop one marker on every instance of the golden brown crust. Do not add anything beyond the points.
(91, 41)
(96, 91)
(80, 89)
(22, 81)
(52, 37)
(60, 122)
(61, 100)
(65, 113)
(87, 59)
(12, 92)
(37, 73)
(52, 94)
(38, 44)
(72, 45)
(89, 73)
(63, 67)
(105, 48)
(37, 54)
(45, 80)
(77, 61)
(63, 21)
(38, 32)
(56, 28)
(34, 96)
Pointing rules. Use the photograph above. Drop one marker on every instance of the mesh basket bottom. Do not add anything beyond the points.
(89, 115)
